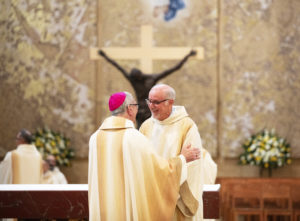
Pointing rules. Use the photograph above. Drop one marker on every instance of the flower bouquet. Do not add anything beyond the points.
(266, 150)
(49, 142)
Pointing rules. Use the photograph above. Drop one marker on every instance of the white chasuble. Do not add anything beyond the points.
(168, 137)
(54, 176)
(210, 168)
(127, 179)
(22, 166)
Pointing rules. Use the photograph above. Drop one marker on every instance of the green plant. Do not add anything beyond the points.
(49, 142)
(267, 150)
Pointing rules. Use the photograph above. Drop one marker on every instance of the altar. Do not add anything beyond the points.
(70, 201)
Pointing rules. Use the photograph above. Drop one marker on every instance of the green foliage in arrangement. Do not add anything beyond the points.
(54, 143)
(267, 150)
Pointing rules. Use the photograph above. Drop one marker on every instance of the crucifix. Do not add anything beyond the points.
(142, 80)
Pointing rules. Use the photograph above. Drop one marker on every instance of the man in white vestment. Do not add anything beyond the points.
(169, 129)
(23, 165)
(127, 179)
(52, 174)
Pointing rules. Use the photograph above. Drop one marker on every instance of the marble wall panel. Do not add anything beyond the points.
(46, 76)
(260, 71)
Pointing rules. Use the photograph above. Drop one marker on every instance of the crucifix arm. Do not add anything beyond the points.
(103, 54)
(176, 67)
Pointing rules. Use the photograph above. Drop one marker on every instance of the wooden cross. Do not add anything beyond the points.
(147, 53)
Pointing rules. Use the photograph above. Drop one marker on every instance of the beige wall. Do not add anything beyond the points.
(248, 80)
(46, 77)
(260, 71)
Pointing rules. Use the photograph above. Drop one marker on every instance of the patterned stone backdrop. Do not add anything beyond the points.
(195, 82)
(260, 71)
(46, 77)
(248, 80)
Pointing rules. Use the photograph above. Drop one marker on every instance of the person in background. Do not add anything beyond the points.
(24, 164)
(52, 174)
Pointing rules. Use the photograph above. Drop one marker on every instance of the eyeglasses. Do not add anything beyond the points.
(155, 102)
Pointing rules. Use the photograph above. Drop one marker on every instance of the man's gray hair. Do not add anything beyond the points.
(169, 91)
(122, 109)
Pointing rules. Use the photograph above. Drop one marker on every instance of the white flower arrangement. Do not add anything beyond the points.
(267, 150)
(54, 143)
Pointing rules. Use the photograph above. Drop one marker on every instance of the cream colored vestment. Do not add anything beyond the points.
(168, 137)
(54, 177)
(22, 166)
(128, 180)
(210, 168)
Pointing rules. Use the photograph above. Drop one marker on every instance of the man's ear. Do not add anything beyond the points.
(171, 102)
(129, 110)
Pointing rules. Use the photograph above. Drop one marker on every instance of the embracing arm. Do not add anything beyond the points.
(103, 54)
(176, 67)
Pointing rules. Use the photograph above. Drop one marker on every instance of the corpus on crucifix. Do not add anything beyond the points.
(146, 53)
(142, 83)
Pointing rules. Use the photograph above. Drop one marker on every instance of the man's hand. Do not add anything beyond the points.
(100, 52)
(189, 153)
(193, 52)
